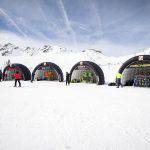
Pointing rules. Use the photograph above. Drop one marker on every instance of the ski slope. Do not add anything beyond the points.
(52, 116)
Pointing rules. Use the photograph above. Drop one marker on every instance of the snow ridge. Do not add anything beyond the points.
(10, 49)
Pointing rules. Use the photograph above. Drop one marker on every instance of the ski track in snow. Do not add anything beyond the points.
(52, 116)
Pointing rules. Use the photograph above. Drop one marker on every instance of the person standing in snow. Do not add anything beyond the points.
(17, 77)
(59, 78)
(1, 76)
(118, 80)
(32, 77)
(67, 78)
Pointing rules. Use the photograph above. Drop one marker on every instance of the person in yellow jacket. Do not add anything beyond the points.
(118, 80)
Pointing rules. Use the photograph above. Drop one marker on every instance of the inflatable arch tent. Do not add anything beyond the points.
(11, 69)
(86, 71)
(47, 71)
(137, 67)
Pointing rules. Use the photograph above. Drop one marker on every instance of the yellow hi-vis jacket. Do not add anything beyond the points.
(119, 76)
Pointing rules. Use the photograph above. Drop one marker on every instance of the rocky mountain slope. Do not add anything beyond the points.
(10, 49)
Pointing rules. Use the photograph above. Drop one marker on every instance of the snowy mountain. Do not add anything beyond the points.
(54, 49)
(10, 49)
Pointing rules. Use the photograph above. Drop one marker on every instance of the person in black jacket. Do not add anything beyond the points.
(1, 75)
(32, 77)
(67, 78)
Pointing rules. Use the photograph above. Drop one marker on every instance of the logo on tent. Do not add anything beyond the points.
(44, 64)
(81, 63)
(140, 58)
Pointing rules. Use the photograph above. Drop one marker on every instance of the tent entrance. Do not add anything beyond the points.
(46, 73)
(9, 73)
(83, 74)
(134, 70)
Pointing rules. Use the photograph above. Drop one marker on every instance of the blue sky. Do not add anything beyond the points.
(117, 27)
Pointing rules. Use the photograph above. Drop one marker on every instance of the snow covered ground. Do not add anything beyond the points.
(52, 116)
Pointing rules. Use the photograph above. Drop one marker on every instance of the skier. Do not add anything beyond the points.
(1, 76)
(118, 80)
(32, 77)
(67, 78)
(17, 77)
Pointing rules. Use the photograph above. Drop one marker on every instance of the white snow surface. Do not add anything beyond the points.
(52, 116)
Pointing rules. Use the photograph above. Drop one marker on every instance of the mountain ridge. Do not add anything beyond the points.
(9, 49)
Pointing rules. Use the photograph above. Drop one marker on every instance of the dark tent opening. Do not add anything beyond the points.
(136, 71)
(8, 73)
(47, 71)
(87, 72)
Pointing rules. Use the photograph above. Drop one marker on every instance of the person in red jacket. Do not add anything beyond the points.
(17, 77)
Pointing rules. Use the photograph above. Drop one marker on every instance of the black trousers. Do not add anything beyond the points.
(67, 81)
(119, 83)
(17, 80)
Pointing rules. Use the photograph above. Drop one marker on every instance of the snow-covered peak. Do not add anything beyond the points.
(10, 49)
(54, 49)
(30, 51)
